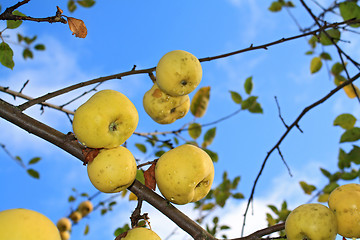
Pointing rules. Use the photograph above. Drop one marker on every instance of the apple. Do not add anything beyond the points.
(345, 203)
(140, 233)
(85, 208)
(64, 224)
(112, 170)
(178, 73)
(105, 120)
(311, 221)
(163, 108)
(75, 216)
(65, 235)
(21, 224)
(184, 174)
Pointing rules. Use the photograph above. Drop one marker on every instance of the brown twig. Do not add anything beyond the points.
(294, 124)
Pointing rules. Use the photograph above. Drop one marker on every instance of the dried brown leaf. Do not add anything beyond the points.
(149, 176)
(59, 10)
(77, 26)
(90, 154)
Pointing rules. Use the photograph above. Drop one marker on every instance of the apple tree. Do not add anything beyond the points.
(181, 116)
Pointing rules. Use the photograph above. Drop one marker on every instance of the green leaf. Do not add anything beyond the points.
(334, 35)
(312, 41)
(249, 102)
(307, 188)
(309, 52)
(12, 24)
(34, 160)
(159, 153)
(235, 182)
(221, 198)
(30, 40)
(18, 158)
(194, 130)
(325, 172)
(200, 102)
(119, 231)
(71, 6)
(6, 55)
(209, 137)
(323, 197)
(350, 10)
(337, 68)
(86, 3)
(236, 97)
(27, 53)
(274, 209)
(39, 47)
(87, 229)
(350, 175)
(354, 155)
(346, 121)
(315, 65)
(208, 206)
(141, 147)
(71, 198)
(84, 195)
(248, 85)
(275, 6)
(338, 79)
(325, 56)
(350, 135)
(330, 187)
(238, 196)
(343, 159)
(213, 155)
(256, 108)
(33, 173)
(140, 176)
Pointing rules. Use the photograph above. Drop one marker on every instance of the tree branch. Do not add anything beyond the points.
(294, 124)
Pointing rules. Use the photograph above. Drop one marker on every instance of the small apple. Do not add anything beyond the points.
(345, 203)
(184, 174)
(140, 233)
(64, 224)
(85, 208)
(163, 108)
(112, 170)
(178, 73)
(106, 120)
(21, 224)
(75, 216)
(311, 221)
(65, 235)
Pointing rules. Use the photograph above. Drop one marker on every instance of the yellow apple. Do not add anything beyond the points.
(311, 221)
(178, 73)
(65, 235)
(140, 233)
(163, 108)
(75, 216)
(112, 170)
(345, 203)
(85, 208)
(106, 120)
(25, 224)
(64, 224)
(184, 174)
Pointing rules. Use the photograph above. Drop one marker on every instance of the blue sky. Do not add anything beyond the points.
(126, 33)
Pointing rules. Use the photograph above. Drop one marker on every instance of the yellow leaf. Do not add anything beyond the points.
(349, 90)
(315, 64)
(132, 197)
(200, 102)
(323, 197)
(78, 27)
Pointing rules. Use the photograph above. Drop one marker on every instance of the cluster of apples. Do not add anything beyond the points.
(108, 118)
(64, 224)
(178, 73)
(316, 222)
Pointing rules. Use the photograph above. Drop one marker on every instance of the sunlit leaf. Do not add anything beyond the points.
(256, 108)
(346, 121)
(34, 160)
(350, 10)
(249, 102)
(33, 173)
(141, 147)
(351, 91)
(140, 176)
(334, 35)
(330, 187)
(87, 229)
(236, 97)
(323, 198)
(315, 64)
(350, 135)
(209, 137)
(6, 55)
(200, 102)
(194, 130)
(208, 206)
(119, 231)
(248, 85)
(12, 24)
(275, 6)
(307, 188)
